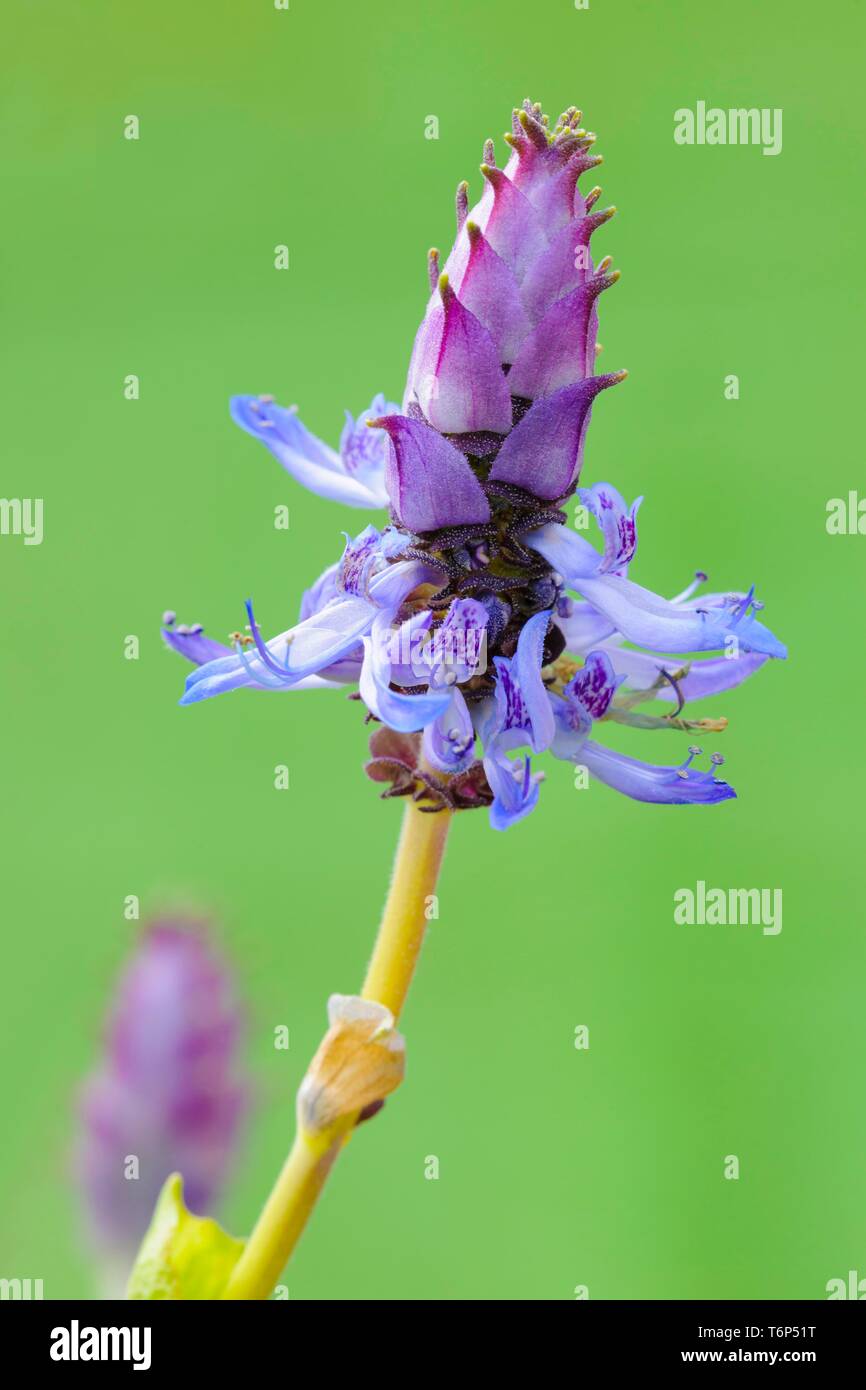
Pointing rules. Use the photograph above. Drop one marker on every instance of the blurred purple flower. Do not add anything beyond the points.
(167, 1096)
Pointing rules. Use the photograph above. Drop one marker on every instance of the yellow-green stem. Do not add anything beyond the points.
(389, 974)
(404, 921)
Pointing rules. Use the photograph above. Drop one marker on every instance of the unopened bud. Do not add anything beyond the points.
(360, 1060)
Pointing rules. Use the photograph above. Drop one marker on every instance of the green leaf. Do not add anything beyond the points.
(182, 1256)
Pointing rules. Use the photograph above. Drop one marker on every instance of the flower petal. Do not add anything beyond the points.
(509, 222)
(455, 375)
(573, 728)
(449, 741)
(191, 642)
(582, 626)
(544, 452)
(711, 677)
(320, 593)
(393, 584)
(651, 621)
(488, 289)
(364, 452)
(528, 662)
(304, 650)
(569, 554)
(669, 786)
(310, 461)
(458, 648)
(556, 198)
(521, 713)
(618, 525)
(646, 618)
(560, 349)
(429, 481)
(563, 266)
(514, 787)
(404, 713)
(594, 685)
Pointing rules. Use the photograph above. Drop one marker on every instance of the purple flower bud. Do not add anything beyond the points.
(456, 378)
(488, 289)
(547, 444)
(166, 1096)
(429, 481)
(514, 318)
(560, 350)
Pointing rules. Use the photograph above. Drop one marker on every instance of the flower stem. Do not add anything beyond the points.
(404, 921)
(389, 974)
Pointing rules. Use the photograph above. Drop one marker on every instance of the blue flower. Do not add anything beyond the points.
(644, 617)
(520, 716)
(355, 475)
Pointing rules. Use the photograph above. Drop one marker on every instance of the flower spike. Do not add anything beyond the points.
(474, 470)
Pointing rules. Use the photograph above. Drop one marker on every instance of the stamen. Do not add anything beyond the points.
(699, 579)
(257, 677)
(744, 604)
(262, 650)
(673, 682)
(682, 771)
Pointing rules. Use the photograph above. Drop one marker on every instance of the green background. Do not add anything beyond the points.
(557, 1167)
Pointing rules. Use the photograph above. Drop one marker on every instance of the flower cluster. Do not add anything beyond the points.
(478, 625)
(167, 1095)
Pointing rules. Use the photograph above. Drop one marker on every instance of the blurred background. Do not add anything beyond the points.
(155, 257)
